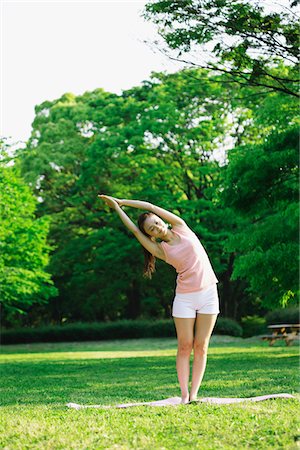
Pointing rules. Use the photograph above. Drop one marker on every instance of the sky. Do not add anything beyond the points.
(52, 47)
(49, 48)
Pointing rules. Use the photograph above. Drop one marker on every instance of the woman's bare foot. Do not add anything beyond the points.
(193, 398)
(185, 399)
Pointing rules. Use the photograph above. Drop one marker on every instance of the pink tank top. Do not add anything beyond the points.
(190, 261)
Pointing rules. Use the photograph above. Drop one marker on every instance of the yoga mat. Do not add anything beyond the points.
(174, 401)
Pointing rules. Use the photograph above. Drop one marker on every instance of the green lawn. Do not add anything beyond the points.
(39, 379)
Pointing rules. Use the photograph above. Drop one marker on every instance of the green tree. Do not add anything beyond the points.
(262, 186)
(24, 280)
(157, 142)
(153, 142)
(241, 39)
(164, 154)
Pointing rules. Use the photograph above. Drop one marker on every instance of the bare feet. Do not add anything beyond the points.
(185, 400)
(193, 398)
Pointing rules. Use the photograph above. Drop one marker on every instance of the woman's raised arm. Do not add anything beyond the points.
(167, 215)
(112, 202)
(147, 243)
(163, 213)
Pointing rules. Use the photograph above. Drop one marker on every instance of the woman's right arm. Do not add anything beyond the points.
(126, 220)
(112, 203)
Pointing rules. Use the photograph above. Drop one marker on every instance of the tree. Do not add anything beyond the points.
(262, 185)
(24, 280)
(153, 142)
(156, 142)
(241, 39)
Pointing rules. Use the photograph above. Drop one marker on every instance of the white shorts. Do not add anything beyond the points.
(187, 305)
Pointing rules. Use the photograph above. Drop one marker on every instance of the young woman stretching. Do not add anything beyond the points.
(196, 303)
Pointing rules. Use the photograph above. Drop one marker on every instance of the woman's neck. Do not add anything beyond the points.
(170, 237)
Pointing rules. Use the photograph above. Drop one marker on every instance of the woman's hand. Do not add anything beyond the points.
(118, 200)
(110, 201)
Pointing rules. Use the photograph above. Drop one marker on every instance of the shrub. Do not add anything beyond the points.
(122, 329)
(253, 325)
(228, 327)
(283, 315)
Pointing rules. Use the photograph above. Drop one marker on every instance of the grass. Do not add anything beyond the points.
(39, 379)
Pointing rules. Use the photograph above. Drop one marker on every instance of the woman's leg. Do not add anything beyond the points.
(185, 337)
(203, 329)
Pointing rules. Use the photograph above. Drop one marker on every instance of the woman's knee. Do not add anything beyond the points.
(185, 347)
(200, 347)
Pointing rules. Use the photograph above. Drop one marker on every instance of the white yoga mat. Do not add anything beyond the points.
(174, 401)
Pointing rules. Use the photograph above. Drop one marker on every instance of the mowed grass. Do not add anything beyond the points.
(39, 379)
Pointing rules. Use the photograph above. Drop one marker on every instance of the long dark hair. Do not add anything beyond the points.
(149, 261)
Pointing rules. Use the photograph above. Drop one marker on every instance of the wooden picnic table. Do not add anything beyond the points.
(286, 331)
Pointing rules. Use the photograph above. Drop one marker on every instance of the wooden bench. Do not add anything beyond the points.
(286, 331)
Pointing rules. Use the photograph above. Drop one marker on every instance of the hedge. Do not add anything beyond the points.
(94, 331)
(253, 326)
(284, 315)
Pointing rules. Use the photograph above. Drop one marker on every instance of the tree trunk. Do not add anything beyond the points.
(134, 301)
(226, 297)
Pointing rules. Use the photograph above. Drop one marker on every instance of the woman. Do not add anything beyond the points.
(196, 303)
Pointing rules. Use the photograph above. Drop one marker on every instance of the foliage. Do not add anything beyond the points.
(153, 142)
(24, 250)
(262, 184)
(120, 329)
(162, 142)
(253, 325)
(241, 39)
(283, 315)
(228, 327)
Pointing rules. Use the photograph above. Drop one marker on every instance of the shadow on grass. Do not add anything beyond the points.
(141, 345)
(114, 380)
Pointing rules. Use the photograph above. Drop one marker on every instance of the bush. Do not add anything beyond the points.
(123, 329)
(253, 325)
(228, 327)
(283, 315)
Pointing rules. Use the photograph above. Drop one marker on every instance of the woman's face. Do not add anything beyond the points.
(155, 227)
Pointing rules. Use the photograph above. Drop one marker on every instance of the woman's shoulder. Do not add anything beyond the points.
(182, 228)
